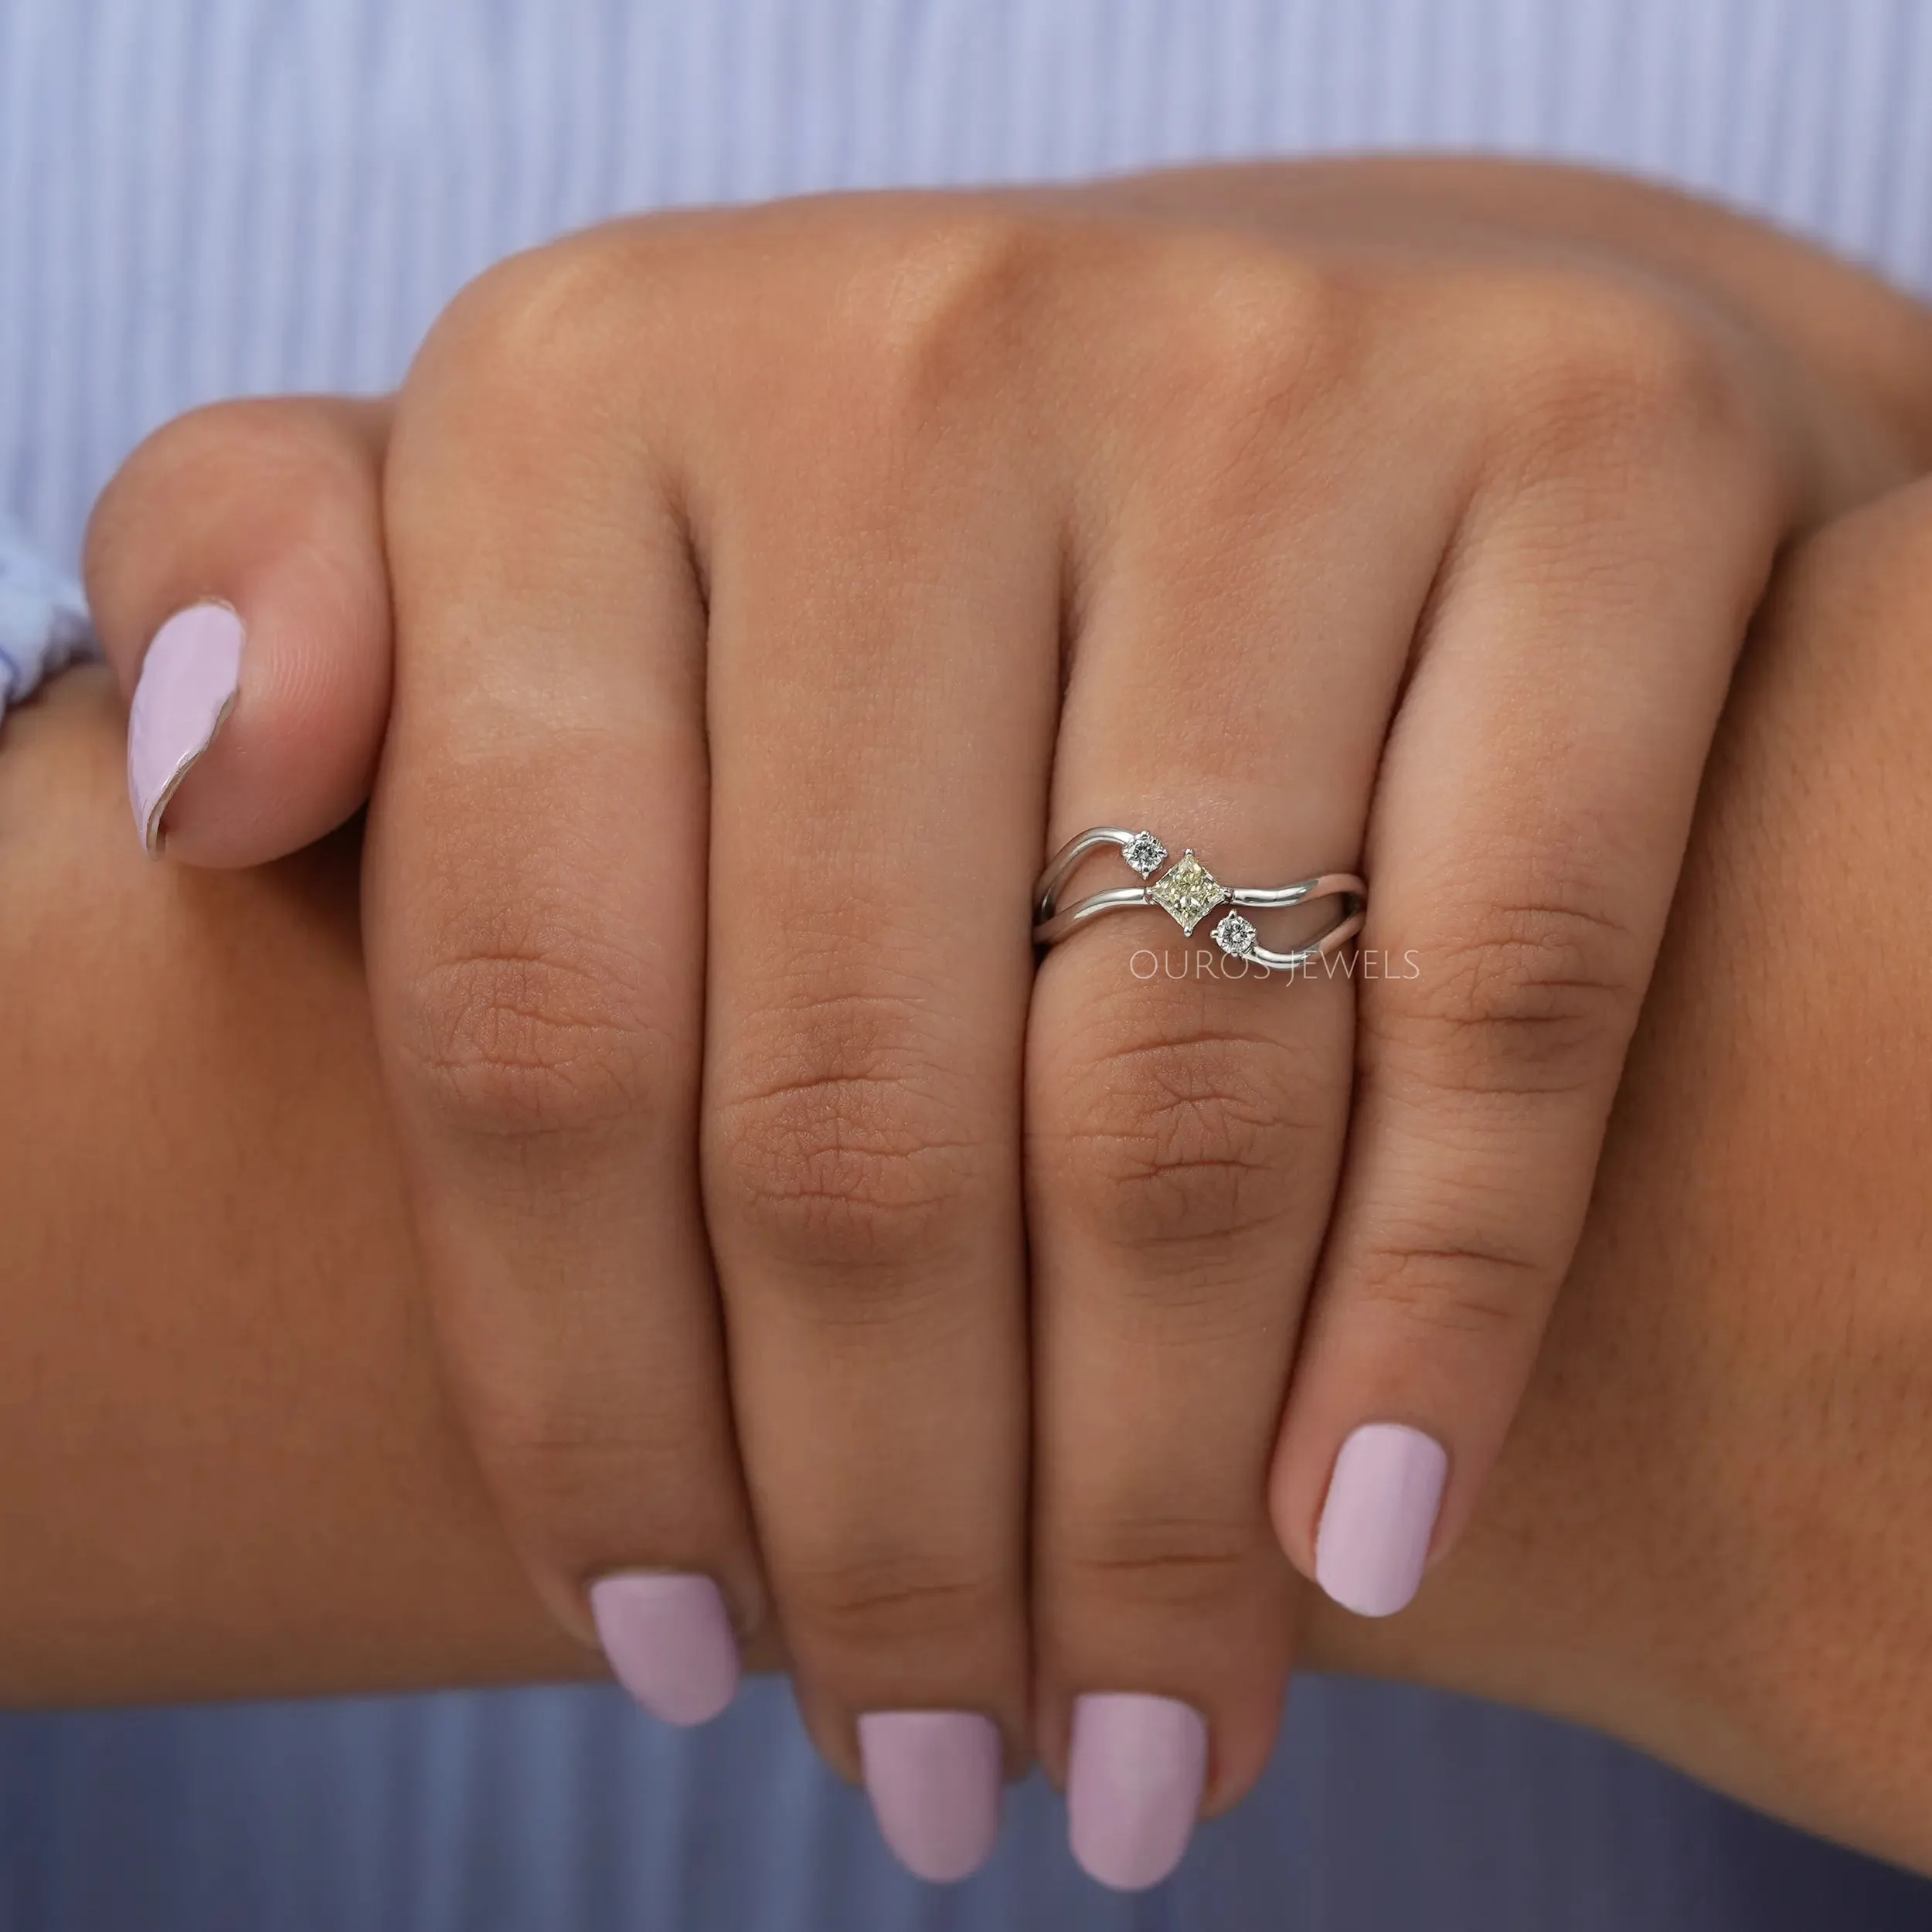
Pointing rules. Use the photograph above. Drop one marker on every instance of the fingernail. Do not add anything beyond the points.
(669, 1641)
(1134, 1776)
(1373, 1538)
(186, 688)
(934, 1777)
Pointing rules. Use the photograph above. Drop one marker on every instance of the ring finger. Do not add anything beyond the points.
(1186, 1113)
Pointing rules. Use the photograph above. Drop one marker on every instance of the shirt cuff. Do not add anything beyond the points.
(43, 618)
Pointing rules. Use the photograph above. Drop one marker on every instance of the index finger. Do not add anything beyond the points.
(535, 906)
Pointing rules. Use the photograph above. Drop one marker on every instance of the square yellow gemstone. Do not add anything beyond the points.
(1189, 891)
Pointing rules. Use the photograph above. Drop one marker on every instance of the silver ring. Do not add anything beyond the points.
(1188, 892)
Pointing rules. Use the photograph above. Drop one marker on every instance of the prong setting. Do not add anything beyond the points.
(1235, 937)
(1144, 853)
(1188, 891)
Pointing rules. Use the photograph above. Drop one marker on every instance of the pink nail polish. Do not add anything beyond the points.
(1134, 1776)
(669, 1641)
(187, 688)
(934, 1777)
(1373, 1538)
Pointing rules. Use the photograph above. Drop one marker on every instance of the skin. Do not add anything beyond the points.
(741, 1262)
(228, 1466)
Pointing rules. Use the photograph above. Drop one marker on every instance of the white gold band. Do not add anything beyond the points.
(1188, 892)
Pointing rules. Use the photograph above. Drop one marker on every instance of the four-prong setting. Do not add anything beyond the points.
(1236, 937)
(1188, 891)
(1144, 853)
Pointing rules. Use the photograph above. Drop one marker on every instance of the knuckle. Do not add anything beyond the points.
(259, 433)
(280, 464)
(1451, 1282)
(932, 308)
(1249, 337)
(1180, 1564)
(1596, 367)
(1528, 996)
(945, 298)
(560, 1458)
(847, 1156)
(585, 1472)
(531, 341)
(865, 1603)
(1180, 1140)
(527, 1029)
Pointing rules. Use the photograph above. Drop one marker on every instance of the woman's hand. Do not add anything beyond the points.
(231, 1468)
(798, 576)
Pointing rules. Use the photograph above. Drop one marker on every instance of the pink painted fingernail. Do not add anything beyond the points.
(1373, 1538)
(669, 1641)
(1134, 1775)
(934, 1777)
(187, 687)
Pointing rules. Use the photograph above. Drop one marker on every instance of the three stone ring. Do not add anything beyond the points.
(1188, 892)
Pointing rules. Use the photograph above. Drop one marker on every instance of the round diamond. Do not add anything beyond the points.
(1235, 937)
(1144, 852)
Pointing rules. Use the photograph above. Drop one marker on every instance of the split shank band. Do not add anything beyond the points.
(1188, 892)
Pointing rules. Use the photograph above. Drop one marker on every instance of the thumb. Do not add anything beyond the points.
(235, 569)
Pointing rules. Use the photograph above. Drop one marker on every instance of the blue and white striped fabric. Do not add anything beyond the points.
(199, 198)
(203, 198)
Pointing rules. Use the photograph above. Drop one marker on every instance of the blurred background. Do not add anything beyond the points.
(208, 198)
(202, 198)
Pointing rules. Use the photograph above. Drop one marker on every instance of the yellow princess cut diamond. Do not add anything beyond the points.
(1189, 891)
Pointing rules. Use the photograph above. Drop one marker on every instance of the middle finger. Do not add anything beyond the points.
(883, 658)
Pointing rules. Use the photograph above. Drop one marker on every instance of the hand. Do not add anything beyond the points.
(625, 515)
(1739, 1375)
